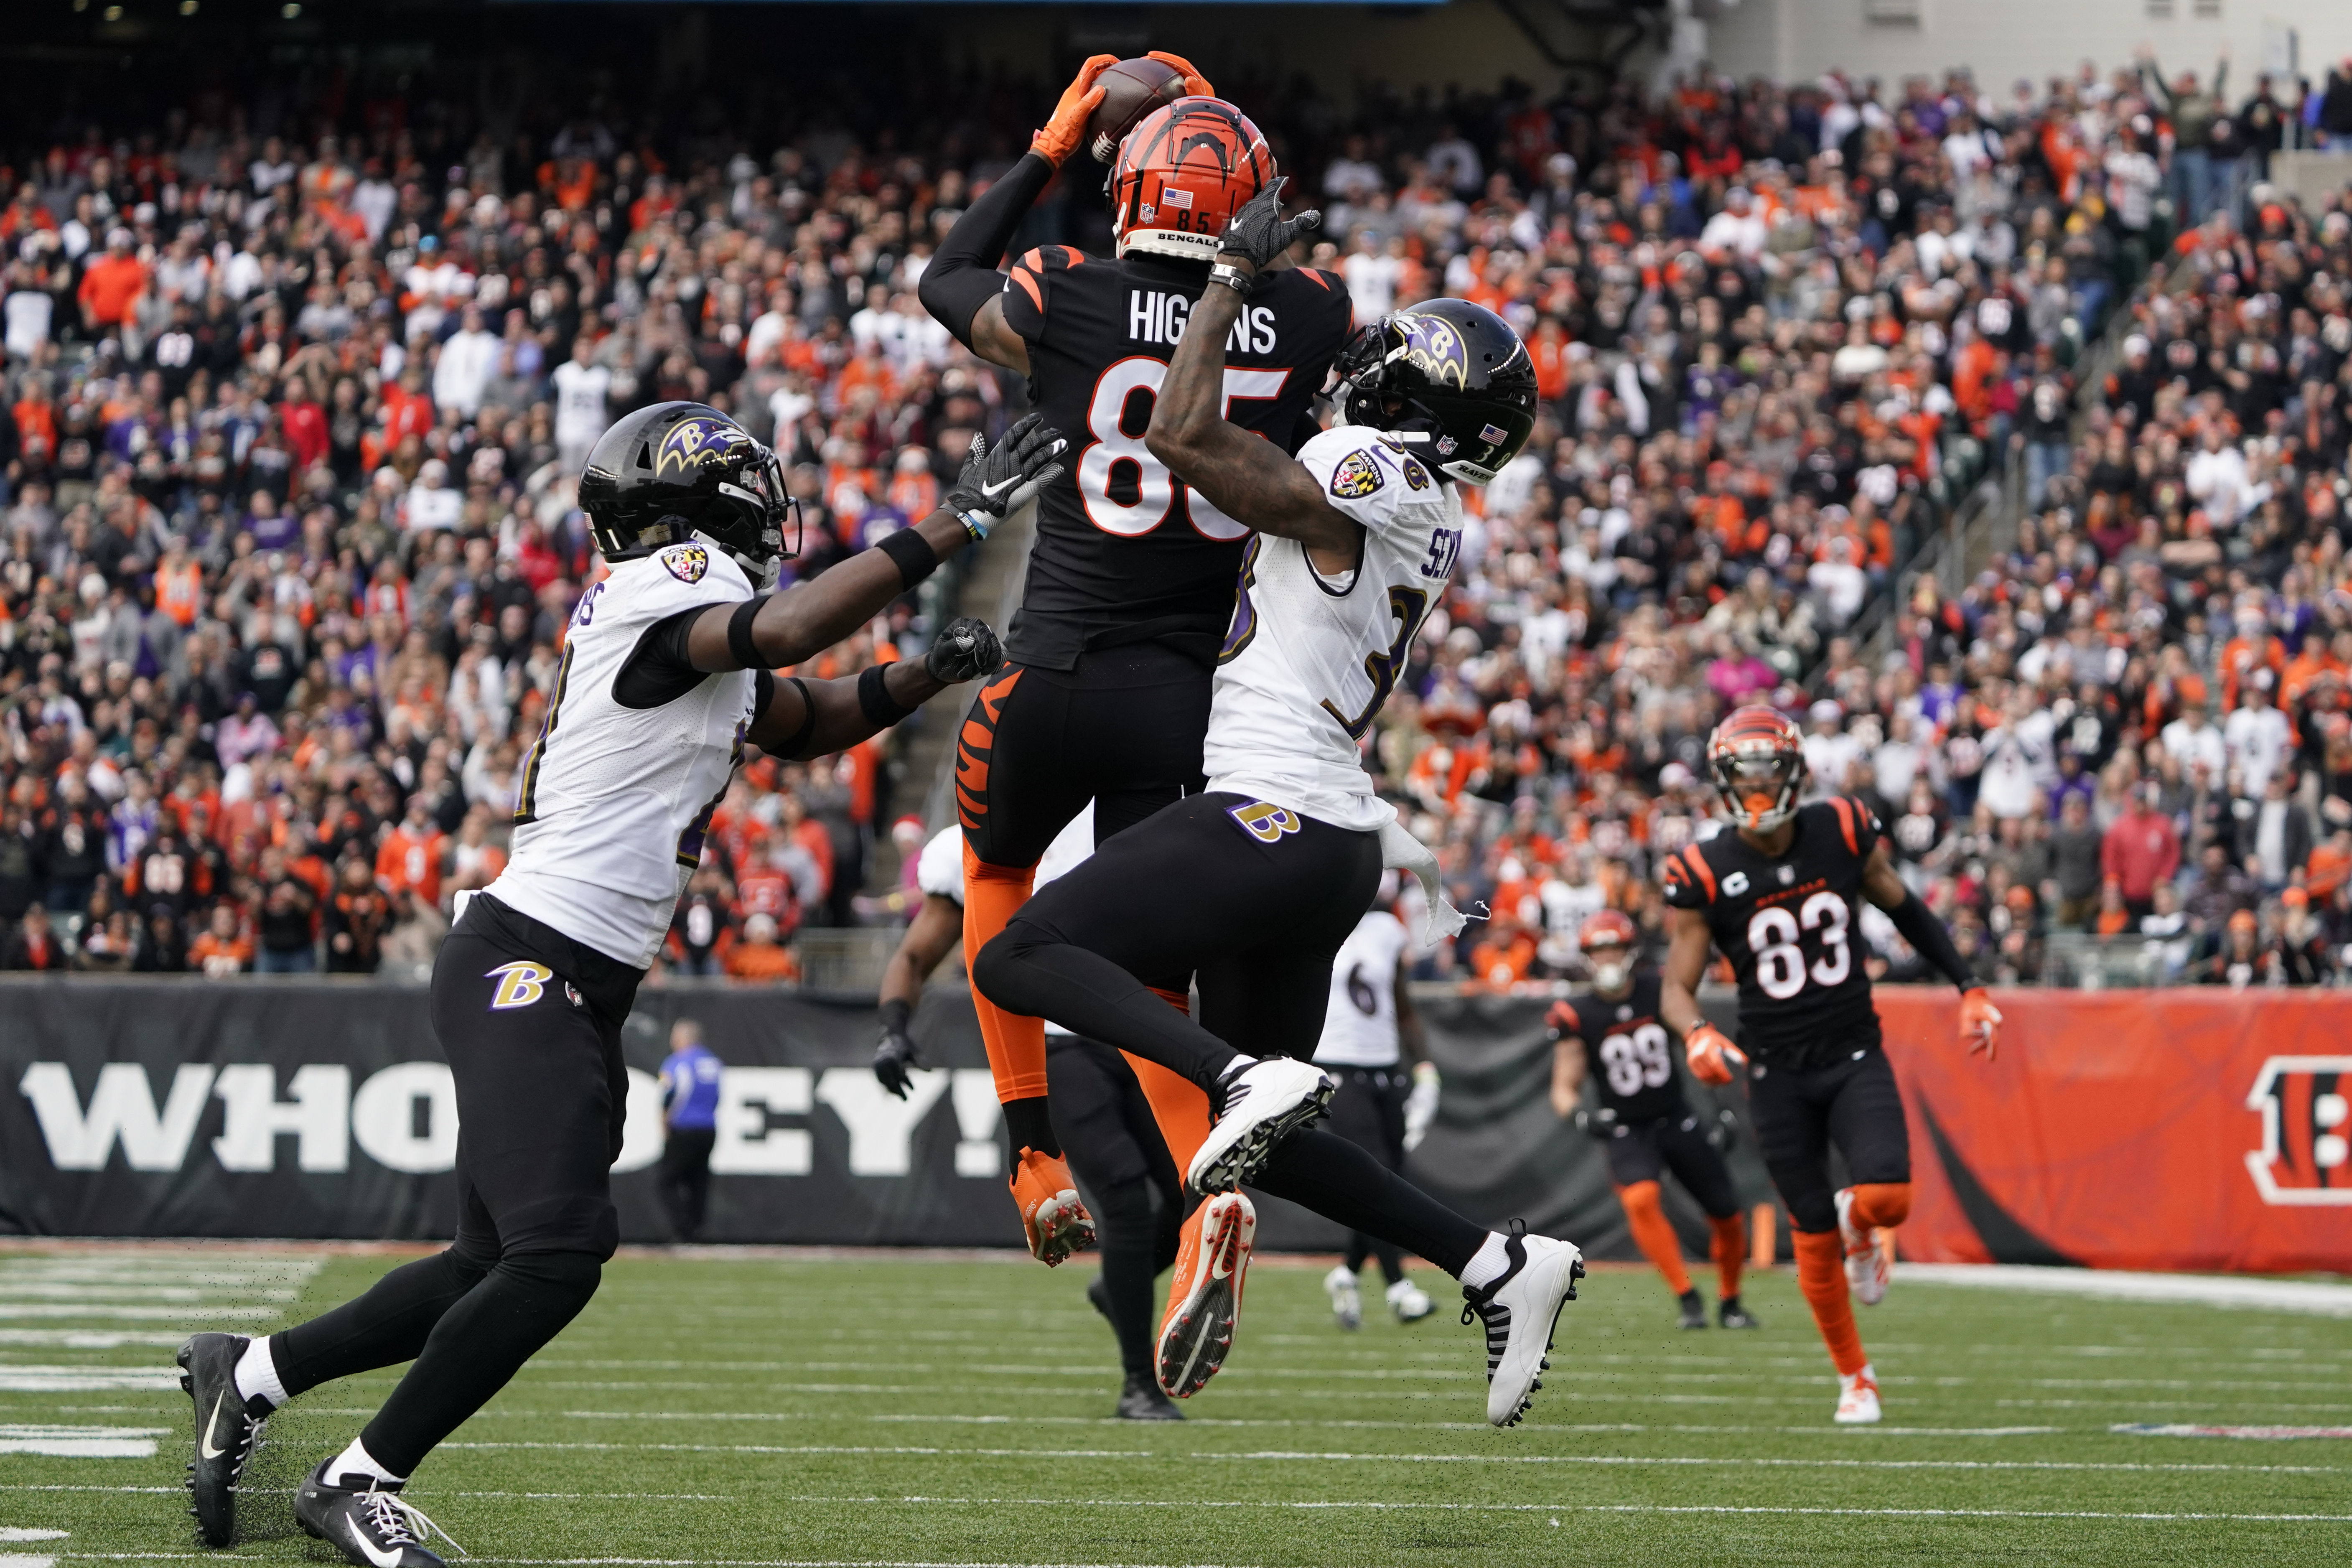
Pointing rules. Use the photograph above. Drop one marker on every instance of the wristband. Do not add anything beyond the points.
(912, 555)
(874, 698)
(1232, 276)
(740, 646)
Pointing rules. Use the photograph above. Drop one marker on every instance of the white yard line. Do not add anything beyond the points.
(2124, 1284)
(86, 1379)
(1195, 1456)
(81, 1442)
(1318, 1505)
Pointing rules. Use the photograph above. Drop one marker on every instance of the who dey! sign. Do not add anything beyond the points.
(315, 1109)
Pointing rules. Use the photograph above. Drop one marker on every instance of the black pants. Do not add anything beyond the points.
(1644, 1150)
(1132, 1186)
(1256, 899)
(686, 1178)
(531, 1022)
(1123, 729)
(1369, 1111)
(1852, 1103)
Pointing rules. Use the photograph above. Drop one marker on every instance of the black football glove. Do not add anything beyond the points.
(894, 1057)
(1259, 233)
(965, 651)
(998, 480)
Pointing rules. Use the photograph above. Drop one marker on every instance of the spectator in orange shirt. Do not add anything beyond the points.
(1504, 959)
(758, 956)
(111, 284)
(410, 860)
(224, 948)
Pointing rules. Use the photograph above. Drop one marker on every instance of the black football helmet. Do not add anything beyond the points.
(1448, 373)
(676, 469)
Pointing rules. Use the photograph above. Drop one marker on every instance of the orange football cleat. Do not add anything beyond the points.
(1057, 1223)
(1204, 1299)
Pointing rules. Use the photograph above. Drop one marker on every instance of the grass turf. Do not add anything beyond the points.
(876, 1408)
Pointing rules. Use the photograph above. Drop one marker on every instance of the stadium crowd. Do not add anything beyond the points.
(297, 411)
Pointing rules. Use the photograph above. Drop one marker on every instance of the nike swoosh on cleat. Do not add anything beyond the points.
(204, 1443)
(388, 1557)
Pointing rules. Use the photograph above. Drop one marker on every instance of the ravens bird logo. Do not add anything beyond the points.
(700, 442)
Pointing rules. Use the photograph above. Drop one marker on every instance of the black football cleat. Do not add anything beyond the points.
(1694, 1310)
(366, 1520)
(1732, 1315)
(1142, 1400)
(227, 1430)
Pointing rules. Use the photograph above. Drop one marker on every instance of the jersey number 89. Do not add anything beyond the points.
(1155, 487)
(1637, 1060)
(1772, 934)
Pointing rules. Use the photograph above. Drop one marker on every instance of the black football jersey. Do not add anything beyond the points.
(1787, 924)
(1126, 552)
(1628, 1053)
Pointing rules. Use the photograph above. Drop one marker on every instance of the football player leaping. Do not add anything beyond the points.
(1106, 694)
(664, 676)
(1778, 896)
(1254, 884)
(1645, 1127)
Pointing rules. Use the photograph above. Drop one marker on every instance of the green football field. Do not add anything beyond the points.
(890, 1409)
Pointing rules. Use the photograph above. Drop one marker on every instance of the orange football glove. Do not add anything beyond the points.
(1713, 1058)
(1066, 132)
(1979, 1022)
(1195, 84)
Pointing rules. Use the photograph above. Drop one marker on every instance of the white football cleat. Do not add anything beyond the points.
(1346, 1301)
(1265, 1103)
(1408, 1301)
(1866, 1269)
(1520, 1311)
(1857, 1399)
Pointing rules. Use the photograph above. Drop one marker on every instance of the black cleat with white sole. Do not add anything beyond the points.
(1142, 1400)
(1732, 1315)
(227, 1430)
(1263, 1103)
(1520, 1312)
(1694, 1310)
(366, 1520)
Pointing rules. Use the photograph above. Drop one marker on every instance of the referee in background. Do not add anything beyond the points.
(689, 1086)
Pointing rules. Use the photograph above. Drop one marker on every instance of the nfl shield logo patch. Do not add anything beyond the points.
(686, 562)
(1356, 477)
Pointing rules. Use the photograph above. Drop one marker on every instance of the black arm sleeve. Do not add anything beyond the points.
(962, 277)
(1923, 931)
(657, 670)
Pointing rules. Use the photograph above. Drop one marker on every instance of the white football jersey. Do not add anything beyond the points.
(1360, 1025)
(613, 802)
(1309, 661)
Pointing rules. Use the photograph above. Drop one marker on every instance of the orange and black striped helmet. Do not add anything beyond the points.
(1182, 173)
(1758, 758)
(1605, 928)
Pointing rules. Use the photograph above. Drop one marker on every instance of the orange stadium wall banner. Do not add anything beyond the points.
(2186, 1129)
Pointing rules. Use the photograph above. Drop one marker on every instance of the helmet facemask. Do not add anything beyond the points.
(1759, 782)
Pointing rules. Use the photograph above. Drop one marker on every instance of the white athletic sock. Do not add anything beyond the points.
(357, 1461)
(1487, 1264)
(257, 1374)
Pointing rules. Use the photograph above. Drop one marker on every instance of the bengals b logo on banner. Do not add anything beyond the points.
(2306, 1152)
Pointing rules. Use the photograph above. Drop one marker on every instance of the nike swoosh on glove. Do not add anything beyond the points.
(1259, 233)
(966, 649)
(1979, 1022)
(996, 481)
(1711, 1055)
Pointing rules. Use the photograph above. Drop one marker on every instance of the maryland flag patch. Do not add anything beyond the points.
(1357, 477)
(686, 562)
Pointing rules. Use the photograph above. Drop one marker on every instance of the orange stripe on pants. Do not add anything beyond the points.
(992, 895)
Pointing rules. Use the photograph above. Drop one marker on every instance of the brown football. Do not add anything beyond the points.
(1131, 89)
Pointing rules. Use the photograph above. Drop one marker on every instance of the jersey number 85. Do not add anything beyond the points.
(1155, 487)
